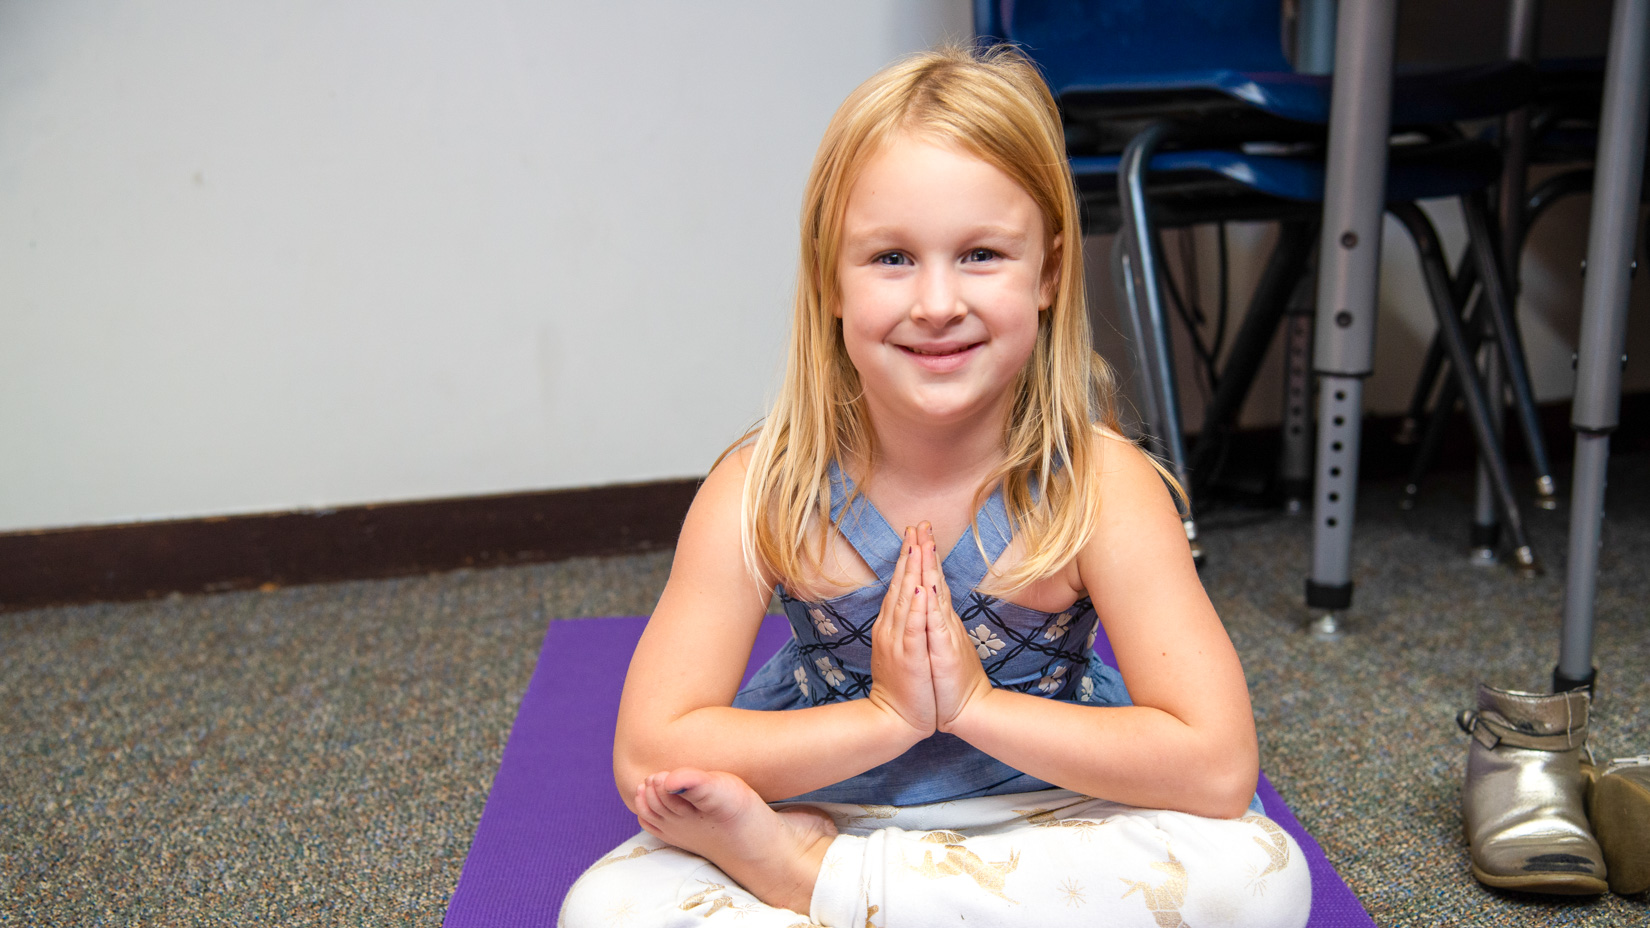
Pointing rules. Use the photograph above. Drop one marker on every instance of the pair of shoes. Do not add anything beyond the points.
(1619, 806)
(1525, 801)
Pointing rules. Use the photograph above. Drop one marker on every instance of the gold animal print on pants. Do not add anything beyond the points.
(872, 813)
(714, 893)
(635, 852)
(1165, 899)
(960, 861)
(1276, 845)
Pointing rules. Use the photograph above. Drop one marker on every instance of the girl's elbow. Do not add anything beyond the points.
(1232, 788)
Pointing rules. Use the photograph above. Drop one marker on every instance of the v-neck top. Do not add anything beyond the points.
(828, 658)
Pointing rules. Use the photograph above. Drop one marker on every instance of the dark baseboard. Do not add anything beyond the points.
(148, 559)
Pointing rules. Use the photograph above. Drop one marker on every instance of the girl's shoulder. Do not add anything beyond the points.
(1135, 520)
(1121, 466)
(712, 532)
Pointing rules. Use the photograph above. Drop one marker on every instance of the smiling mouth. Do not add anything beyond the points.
(938, 352)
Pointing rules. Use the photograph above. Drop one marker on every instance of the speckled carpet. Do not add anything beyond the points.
(320, 755)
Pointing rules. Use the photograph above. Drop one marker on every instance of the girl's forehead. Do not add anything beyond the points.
(926, 179)
(908, 144)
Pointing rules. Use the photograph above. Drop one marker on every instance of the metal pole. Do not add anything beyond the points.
(1596, 409)
(1348, 266)
(1522, 32)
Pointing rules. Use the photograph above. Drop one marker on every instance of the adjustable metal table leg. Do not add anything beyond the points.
(1348, 265)
(1597, 406)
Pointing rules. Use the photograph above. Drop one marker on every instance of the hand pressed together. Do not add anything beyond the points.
(924, 668)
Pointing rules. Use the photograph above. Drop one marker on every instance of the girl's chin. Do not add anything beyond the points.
(947, 409)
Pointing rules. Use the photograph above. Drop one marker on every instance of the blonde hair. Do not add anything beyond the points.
(993, 104)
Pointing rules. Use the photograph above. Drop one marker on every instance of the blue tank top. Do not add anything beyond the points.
(828, 658)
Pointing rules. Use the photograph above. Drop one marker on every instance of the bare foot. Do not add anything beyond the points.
(773, 855)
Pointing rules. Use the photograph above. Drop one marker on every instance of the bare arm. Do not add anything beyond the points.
(1188, 742)
(676, 708)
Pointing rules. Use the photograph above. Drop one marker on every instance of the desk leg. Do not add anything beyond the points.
(1597, 405)
(1348, 270)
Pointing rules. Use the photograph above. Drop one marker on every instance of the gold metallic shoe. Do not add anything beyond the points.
(1525, 799)
(1620, 809)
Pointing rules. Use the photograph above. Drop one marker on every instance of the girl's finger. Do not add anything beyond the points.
(930, 569)
(897, 601)
(916, 629)
(916, 608)
(942, 590)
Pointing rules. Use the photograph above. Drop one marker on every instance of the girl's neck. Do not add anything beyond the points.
(935, 455)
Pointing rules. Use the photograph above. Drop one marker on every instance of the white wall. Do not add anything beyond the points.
(258, 256)
(265, 256)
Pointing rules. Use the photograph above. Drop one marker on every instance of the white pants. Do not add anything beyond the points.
(1047, 858)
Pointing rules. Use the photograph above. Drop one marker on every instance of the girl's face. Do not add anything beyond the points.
(942, 272)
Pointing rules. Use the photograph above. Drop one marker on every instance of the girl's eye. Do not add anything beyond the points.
(981, 254)
(891, 259)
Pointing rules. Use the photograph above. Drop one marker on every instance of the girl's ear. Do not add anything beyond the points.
(1051, 274)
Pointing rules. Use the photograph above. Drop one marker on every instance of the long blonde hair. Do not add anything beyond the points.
(993, 104)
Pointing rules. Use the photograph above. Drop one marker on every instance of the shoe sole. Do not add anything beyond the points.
(1560, 884)
(1620, 812)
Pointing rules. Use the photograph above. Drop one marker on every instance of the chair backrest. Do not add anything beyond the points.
(1089, 42)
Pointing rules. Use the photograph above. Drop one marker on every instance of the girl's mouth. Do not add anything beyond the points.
(940, 358)
(944, 351)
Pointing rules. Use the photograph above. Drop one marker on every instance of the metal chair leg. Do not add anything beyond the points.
(1260, 325)
(1295, 462)
(1436, 276)
(1464, 291)
(1426, 450)
(1129, 298)
(1485, 535)
(1157, 348)
(1498, 300)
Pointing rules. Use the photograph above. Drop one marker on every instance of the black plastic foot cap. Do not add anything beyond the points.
(1328, 595)
(1564, 684)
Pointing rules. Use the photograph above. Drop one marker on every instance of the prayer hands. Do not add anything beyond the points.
(900, 675)
(923, 666)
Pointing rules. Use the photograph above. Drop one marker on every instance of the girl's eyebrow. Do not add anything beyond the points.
(987, 231)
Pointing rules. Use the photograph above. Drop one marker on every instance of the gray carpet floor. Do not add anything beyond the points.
(321, 755)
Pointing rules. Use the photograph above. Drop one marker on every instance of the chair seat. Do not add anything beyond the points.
(1188, 187)
(1211, 108)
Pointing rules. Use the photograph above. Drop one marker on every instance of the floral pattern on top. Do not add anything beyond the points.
(829, 671)
(1061, 625)
(822, 622)
(1051, 680)
(986, 641)
(1022, 649)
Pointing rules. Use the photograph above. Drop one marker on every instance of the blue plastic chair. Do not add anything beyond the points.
(1165, 104)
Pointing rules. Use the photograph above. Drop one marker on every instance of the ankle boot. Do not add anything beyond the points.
(1525, 799)
(1620, 809)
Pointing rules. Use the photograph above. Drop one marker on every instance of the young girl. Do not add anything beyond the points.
(959, 753)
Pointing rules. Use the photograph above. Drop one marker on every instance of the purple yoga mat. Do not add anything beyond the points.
(554, 810)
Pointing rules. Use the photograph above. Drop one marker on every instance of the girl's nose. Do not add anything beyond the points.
(938, 300)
